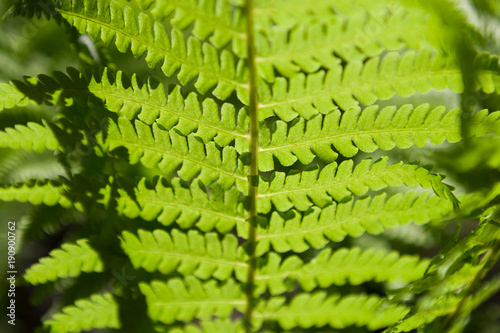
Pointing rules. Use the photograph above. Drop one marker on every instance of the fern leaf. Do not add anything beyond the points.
(486, 291)
(355, 130)
(183, 300)
(337, 221)
(484, 123)
(452, 276)
(216, 326)
(34, 137)
(215, 20)
(367, 130)
(308, 47)
(154, 147)
(203, 256)
(108, 20)
(175, 202)
(10, 97)
(49, 193)
(185, 115)
(68, 261)
(357, 82)
(99, 311)
(63, 89)
(318, 310)
(287, 13)
(21, 166)
(336, 183)
(345, 265)
(445, 305)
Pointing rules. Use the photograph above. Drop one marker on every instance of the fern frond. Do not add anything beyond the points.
(484, 122)
(337, 221)
(367, 130)
(68, 261)
(218, 21)
(43, 220)
(10, 97)
(354, 129)
(98, 311)
(49, 193)
(452, 276)
(185, 115)
(287, 13)
(318, 310)
(183, 300)
(336, 183)
(61, 88)
(200, 255)
(441, 307)
(345, 265)
(168, 150)
(216, 326)
(107, 20)
(34, 136)
(21, 166)
(186, 206)
(308, 47)
(377, 79)
(486, 291)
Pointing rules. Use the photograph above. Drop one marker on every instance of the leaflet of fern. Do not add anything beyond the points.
(298, 232)
(215, 20)
(150, 105)
(99, 311)
(69, 261)
(203, 256)
(186, 206)
(107, 20)
(184, 300)
(353, 266)
(306, 189)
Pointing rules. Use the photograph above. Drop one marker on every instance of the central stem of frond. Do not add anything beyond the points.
(254, 172)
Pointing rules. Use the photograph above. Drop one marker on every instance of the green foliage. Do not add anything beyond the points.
(99, 311)
(255, 166)
(69, 261)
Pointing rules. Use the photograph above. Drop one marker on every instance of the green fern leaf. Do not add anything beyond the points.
(318, 310)
(186, 206)
(68, 261)
(306, 189)
(155, 147)
(63, 89)
(250, 164)
(214, 20)
(10, 97)
(337, 221)
(450, 276)
(485, 292)
(99, 311)
(287, 13)
(215, 326)
(308, 47)
(108, 20)
(183, 300)
(34, 137)
(20, 166)
(49, 193)
(203, 256)
(357, 82)
(366, 130)
(174, 112)
(353, 266)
